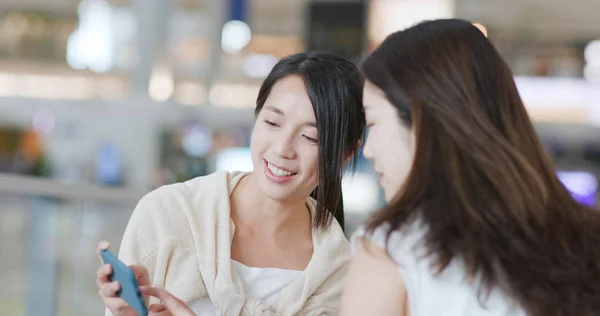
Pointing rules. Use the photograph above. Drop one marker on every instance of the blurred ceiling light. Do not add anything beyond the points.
(190, 93)
(258, 66)
(161, 84)
(52, 87)
(233, 95)
(235, 36)
(560, 100)
(58, 87)
(90, 46)
(482, 28)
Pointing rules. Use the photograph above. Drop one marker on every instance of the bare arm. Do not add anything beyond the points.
(373, 284)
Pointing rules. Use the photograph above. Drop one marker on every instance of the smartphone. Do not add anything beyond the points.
(130, 290)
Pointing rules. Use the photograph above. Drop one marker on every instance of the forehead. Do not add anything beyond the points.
(373, 96)
(289, 96)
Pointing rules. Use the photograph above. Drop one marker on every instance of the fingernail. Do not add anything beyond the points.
(103, 245)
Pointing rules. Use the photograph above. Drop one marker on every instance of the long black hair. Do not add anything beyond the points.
(334, 86)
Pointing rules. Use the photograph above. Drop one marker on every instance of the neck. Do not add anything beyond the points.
(252, 209)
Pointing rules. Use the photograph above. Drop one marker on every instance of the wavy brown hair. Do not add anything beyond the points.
(481, 181)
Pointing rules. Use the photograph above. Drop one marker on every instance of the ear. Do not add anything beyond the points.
(351, 153)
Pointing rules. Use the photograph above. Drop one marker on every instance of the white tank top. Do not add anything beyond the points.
(449, 293)
(262, 284)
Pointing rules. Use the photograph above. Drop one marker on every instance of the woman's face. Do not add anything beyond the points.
(284, 142)
(390, 143)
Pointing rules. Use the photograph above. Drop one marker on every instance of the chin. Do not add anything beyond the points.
(274, 192)
(388, 195)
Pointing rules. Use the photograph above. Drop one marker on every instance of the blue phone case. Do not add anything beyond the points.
(130, 291)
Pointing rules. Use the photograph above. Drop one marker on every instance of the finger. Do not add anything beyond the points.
(157, 308)
(149, 291)
(102, 245)
(173, 304)
(102, 274)
(114, 304)
(110, 289)
(141, 274)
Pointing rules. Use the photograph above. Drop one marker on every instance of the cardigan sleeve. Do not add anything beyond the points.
(158, 237)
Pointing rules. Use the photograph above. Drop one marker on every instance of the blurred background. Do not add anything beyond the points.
(102, 101)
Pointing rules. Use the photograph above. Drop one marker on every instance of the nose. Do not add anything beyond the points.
(284, 147)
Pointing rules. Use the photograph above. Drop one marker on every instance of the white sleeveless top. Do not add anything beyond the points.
(449, 293)
(262, 284)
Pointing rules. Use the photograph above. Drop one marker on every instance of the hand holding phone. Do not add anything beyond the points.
(119, 284)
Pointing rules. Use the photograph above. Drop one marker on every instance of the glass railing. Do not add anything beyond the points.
(48, 235)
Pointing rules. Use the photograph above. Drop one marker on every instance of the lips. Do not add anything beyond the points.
(279, 171)
(278, 174)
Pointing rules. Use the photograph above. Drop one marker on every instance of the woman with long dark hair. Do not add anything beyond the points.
(267, 242)
(477, 222)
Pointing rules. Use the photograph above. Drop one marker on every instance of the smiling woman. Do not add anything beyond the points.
(268, 242)
(319, 83)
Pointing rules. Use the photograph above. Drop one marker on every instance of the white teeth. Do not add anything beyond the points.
(278, 172)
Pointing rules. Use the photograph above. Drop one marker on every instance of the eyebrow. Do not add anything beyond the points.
(274, 109)
(278, 111)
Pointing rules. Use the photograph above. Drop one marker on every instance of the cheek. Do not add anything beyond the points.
(311, 158)
(259, 141)
(378, 141)
(392, 148)
(401, 157)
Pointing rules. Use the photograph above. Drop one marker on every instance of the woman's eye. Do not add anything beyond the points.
(310, 139)
(270, 124)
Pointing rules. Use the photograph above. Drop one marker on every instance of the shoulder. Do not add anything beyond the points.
(183, 194)
(399, 245)
(373, 279)
(394, 261)
(173, 206)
